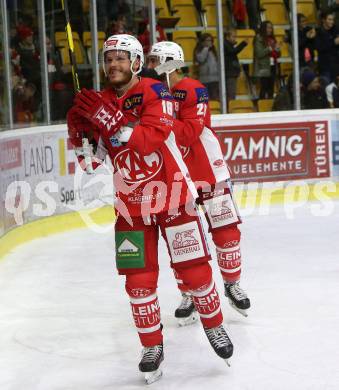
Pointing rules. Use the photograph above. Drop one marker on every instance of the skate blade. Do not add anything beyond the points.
(188, 320)
(241, 311)
(227, 362)
(153, 376)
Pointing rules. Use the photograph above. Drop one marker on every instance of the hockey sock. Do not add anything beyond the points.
(228, 253)
(181, 286)
(146, 314)
(205, 296)
(141, 289)
(207, 302)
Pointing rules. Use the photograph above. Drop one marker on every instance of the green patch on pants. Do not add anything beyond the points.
(130, 249)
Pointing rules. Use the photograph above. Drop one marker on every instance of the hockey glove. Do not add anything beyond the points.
(99, 111)
(78, 127)
(82, 136)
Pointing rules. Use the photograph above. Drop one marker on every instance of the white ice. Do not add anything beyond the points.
(65, 321)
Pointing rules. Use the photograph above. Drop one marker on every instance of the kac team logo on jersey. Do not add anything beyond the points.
(135, 168)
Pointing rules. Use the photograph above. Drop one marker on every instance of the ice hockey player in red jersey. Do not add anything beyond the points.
(133, 117)
(203, 156)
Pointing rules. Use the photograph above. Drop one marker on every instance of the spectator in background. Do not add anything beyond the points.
(120, 7)
(253, 12)
(51, 57)
(232, 65)
(15, 62)
(25, 103)
(313, 95)
(119, 26)
(283, 101)
(334, 8)
(24, 100)
(331, 6)
(145, 36)
(306, 40)
(13, 36)
(29, 56)
(266, 54)
(26, 77)
(60, 85)
(332, 93)
(239, 13)
(205, 55)
(327, 45)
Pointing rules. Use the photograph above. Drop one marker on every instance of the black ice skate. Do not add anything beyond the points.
(186, 312)
(220, 342)
(150, 363)
(237, 298)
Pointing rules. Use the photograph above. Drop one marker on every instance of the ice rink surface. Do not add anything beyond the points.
(65, 321)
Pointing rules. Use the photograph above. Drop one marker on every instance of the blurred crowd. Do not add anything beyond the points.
(318, 58)
(26, 78)
(318, 55)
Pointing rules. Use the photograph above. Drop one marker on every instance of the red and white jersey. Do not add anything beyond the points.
(149, 172)
(200, 146)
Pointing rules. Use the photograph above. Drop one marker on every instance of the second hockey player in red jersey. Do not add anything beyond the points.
(203, 156)
(133, 118)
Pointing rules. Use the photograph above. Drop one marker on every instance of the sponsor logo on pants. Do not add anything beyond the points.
(221, 211)
(130, 249)
(185, 242)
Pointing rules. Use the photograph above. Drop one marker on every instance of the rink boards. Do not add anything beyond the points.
(280, 158)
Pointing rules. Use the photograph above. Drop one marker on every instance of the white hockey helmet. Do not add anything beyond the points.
(170, 54)
(127, 43)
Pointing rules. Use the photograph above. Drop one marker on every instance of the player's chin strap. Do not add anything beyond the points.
(131, 67)
(168, 68)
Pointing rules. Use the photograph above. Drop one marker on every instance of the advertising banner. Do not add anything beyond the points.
(11, 166)
(38, 178)
(280, 151)
(335, 147)
(10, 154)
